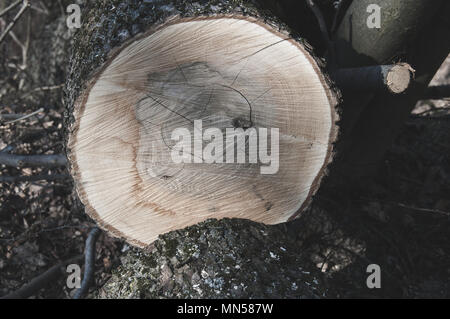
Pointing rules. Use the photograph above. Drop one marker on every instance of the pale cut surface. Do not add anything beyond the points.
(399, 78)
(228, 72)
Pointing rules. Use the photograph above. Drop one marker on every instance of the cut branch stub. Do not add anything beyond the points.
(229, 72)
(394, 78)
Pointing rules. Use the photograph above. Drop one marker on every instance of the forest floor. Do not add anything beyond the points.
(399, 219)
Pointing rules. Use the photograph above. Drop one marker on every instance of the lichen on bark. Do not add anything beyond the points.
(231, 258)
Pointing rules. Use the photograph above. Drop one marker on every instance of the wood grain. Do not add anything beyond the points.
(222, 70)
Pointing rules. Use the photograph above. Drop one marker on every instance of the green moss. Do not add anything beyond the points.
(171, 247)
(149, 261)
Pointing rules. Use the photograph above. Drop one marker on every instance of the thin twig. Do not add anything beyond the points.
(23, 117)
(10, 116)
(43, 88)
(40, 10)
(14, 37)
(25, 48)
(12, 6)
(49, 161)
(425, 210)
(25, 5)
(418, 209)
(89, 263)
(42, 280)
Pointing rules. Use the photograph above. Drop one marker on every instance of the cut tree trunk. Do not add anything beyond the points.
(141, 72)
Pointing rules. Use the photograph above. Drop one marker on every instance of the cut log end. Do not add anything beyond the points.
(395, 78)
(399, 78)
(191, 82)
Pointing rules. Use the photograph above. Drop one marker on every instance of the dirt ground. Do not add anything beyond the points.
(399, 219)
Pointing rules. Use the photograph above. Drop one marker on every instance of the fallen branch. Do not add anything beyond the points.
(42, 10)
(424, 210)
(42, 280)
(33, 178)
(89, 263)
(49, 161)
(52, 274)
(43, 88)
(24, 7)
(394, 78)
(18, 117)
(10, 7)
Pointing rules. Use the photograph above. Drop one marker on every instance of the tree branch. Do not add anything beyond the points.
(24, 7)
(18, 117)
(394, 78)
(49, 161)
(89, 263)
(10, 7)
(33, 178)
(42, 280)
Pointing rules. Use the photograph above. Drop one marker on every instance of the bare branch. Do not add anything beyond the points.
(54, 272)
(43, 88)
(19, 117)
(10, 7)
(48, 161)
(43, 10)
(394, 78)
(33, 178)
(42, 280)
(25, 5)
(89, 263)
(424, 210)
